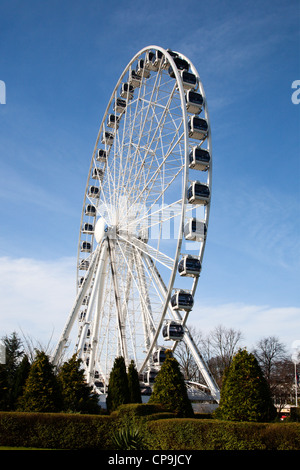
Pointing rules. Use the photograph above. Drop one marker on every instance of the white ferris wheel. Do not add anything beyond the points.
(144, 222)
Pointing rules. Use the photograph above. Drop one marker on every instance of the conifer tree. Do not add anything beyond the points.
(76, 393)
(41, 392)
(133, 384)
(4, 389)
(118, 390)
(21, 376)
(245, 393)
(170, 390)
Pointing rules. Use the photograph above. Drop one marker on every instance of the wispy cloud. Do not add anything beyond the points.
(254, 321)
(36, 296)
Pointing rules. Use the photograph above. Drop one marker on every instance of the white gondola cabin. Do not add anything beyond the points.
(98, 174)
(198, 128)
(199, 159)
(182, 300)
(107, 138)
(134, 79)
(86, 247)
(159, 356)
(84, 265)
(119, 106)
(149, 376)
(94, 192)
(101, 155)
(166, 63)
(181, 64)
(189, 80)
(173, 331)
(198, 193)
(90, 210)
(157, 59)
(150, 60)
(113, 121)
(87, 228)
(127, 91)
(141, 69)
(195, 230)
(194, 102)
(189, 266)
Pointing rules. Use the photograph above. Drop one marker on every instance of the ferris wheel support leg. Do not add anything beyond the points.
(75, 310)
(149, 331)
(120, 321)
(99, 293)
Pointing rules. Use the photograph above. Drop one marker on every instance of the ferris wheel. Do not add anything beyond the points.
(144, 221)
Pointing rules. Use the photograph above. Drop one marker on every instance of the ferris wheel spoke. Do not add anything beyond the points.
(145, 248)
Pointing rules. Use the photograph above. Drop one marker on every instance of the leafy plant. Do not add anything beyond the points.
(128, 438)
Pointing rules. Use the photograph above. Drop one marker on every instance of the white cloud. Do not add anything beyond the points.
(36, 297)
(254, 321)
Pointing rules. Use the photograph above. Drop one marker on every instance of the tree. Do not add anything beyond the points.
(170, 390)
(77, 395)
(42, 391)
(133, 384)
(20, 378)
(13, 355)
(268, 351)
(4, 389)
(223, 343)
(245, 394)
(118, 390)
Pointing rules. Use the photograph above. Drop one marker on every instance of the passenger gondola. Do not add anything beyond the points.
(113, 121)
(149, 376)
(119, 106)
(87, 228)
(141, 69)
(101, 155)
(198, 193)
(189, 266)
(181, 64)
(107, 138)
(94, 192)
(194, 101)
(127, 91)
(159, 356)
(198, 128)
(86, 247)
(90, 210)
(134, 79)
(182, 300)
(199, 159)
(189, 80)
(98, 174)
(195, 230)
(173, 331)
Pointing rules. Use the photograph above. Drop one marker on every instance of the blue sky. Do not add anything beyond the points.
(60, 61)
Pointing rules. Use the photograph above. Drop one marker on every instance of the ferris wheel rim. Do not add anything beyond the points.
(183, 201)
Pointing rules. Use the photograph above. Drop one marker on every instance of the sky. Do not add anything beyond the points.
(59, 63)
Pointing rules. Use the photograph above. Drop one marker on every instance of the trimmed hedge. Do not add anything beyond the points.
(159, 431)
(55, 430)
(195, 434)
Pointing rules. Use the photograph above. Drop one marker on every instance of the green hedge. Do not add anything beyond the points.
(195, 434)
(159, 431)
(55, 430)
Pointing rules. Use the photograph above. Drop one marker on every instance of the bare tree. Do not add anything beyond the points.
(224, 342)
(268, 352)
